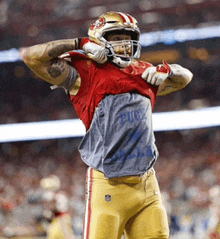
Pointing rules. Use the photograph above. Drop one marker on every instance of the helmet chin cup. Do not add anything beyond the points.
(121, 62)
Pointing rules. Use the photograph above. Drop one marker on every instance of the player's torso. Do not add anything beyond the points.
(94, 72)
(97, 80)
(115, 105)
(120, 140)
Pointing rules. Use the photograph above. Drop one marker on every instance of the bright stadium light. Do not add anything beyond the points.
(11, 55)
(168, 121)
(182, 120)
(169, 36)
(41, 130)
(172, 36)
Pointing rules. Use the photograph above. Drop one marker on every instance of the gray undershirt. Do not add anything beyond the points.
(120, 140)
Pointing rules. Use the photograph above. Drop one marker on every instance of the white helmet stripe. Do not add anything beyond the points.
(125, 17)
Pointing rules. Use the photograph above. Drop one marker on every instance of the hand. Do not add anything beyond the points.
(157, 75)
(95, 52)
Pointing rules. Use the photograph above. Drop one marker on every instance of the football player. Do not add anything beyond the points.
(113, 94)
(56, 209)
(213, 230)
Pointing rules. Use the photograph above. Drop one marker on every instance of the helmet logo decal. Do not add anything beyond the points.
(99, 23)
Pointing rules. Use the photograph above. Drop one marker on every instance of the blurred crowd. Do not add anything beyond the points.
(23, 166)
(188, 168)
(24, 23)
(26, 98)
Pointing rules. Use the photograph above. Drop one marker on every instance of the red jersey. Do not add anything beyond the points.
(99, 80)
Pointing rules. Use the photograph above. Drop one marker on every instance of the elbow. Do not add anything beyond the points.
(188, 77)
(23, 53)
(183, 75)
(185, 80)
(191, 76)
(27, 57)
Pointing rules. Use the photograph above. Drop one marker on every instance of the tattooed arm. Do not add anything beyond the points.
(178, 80)
(43, 60)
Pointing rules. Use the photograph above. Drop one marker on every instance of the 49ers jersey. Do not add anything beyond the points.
(115, 106)
(99, 80)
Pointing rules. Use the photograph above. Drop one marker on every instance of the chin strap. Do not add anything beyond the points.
(121, 63)
(109, 51)
(115, 59)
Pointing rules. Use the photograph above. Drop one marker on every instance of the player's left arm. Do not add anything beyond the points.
(179, 78)
(169, 78)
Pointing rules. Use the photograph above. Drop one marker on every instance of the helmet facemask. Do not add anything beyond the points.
(122, 51)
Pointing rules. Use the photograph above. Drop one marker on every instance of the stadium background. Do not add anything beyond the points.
(188, 165)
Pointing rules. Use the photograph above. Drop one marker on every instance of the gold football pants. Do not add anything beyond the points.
(131, 205)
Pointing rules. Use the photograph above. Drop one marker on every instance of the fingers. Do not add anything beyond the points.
(153, 77)
(99, 57)
(165, 68)
(148, 75)
(159, 78)
(95, 52)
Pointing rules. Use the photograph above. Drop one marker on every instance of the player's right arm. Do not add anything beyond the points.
(43, 59)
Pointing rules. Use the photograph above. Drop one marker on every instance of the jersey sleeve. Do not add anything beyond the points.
(137, 67)
(71, 78)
